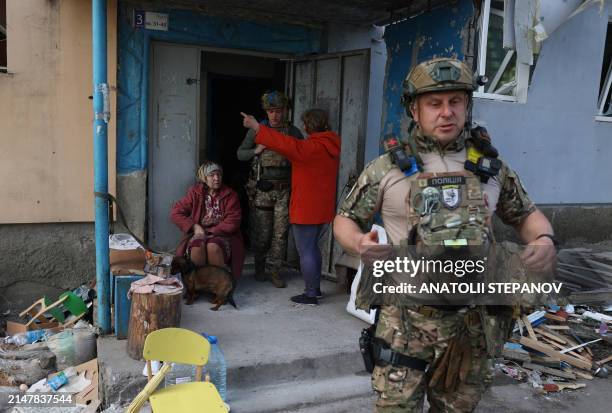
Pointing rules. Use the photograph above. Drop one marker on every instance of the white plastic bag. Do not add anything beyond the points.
(367, 316)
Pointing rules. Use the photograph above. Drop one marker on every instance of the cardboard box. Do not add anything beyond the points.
(14, 327)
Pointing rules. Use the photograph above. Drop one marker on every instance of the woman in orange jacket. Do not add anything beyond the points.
(314, 163)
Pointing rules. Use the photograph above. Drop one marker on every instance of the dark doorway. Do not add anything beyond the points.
(226, 96)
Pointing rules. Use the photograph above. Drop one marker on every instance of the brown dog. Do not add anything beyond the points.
(209, 278)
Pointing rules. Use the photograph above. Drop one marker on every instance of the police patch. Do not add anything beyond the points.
(451, 196)
(446, 180)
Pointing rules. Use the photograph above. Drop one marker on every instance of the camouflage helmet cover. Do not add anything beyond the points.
(437, 75)
(274, 99)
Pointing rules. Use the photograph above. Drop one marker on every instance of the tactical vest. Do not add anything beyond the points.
(448, 210)
(273, 167)
(441, 211)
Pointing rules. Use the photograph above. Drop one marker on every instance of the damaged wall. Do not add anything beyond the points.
(46, 236)
(441, 32)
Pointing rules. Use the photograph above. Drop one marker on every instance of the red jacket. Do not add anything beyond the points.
(190, 210)
(314, 172)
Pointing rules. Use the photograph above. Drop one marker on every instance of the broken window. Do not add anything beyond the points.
(2, 35)
(604, 105)
(497, 56)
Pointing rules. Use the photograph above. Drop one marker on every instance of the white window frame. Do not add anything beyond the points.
(606, 90)
(522, 69)
(4, 69)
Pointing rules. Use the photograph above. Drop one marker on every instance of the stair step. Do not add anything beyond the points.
(305, 396)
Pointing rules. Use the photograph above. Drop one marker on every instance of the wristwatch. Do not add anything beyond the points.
(552, 238)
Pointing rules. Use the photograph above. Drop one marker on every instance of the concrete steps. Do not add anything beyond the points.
(320, 395)
(280, 356)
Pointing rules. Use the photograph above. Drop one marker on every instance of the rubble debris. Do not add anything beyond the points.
(26, 364)
(555, 347)
(555, 387)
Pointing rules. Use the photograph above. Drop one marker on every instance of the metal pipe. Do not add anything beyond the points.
(100, 147)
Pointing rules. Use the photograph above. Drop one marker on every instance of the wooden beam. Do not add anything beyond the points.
(543, 348)
(529, 328)
(548, 370)
(604, 361)
(551, 335)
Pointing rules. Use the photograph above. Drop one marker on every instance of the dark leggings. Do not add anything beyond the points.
(307, 243)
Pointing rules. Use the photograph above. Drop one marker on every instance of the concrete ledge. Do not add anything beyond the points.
(120, 377)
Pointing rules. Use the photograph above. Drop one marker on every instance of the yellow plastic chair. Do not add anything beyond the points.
(179, 346)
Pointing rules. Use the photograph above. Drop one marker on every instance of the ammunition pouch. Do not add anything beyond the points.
(265, 185)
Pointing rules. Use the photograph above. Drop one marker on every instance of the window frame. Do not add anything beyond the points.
(522, 69)
(3, 30)
(606, 90)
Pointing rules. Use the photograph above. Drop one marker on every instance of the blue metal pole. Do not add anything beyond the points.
(100, 146)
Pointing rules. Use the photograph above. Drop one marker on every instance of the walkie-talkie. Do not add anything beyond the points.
(406, 163)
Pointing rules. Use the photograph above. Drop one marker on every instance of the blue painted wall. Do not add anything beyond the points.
(192, 28)
(441, 34)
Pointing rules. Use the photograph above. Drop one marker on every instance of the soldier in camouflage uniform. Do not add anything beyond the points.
(268, 189)
(441, 351)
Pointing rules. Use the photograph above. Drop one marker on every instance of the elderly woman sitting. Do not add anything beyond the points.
(209, 217)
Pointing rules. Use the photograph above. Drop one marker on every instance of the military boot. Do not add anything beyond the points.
(260, 270)
(276, 279)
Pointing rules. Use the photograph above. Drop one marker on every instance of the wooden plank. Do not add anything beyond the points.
(543, 348)
(582, 374)
(551, 327)
(546, 361)
(548, 370)
(554, 317)
(562, 349)
(529, 328)
(604, 361)
(510, 354)
(551, 335)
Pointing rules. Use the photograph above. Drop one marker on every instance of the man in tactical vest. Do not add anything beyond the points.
(268, 189)
(442, 169)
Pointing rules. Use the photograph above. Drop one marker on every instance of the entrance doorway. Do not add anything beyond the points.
(234, 84)
(196, 100)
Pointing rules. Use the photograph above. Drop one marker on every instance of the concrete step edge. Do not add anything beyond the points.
(300, 394)
(337, 364)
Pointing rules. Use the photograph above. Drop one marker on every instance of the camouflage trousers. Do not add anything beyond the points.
(269, 227)
(426, 337)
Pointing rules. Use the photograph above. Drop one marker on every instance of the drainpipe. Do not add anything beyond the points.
(100, 146)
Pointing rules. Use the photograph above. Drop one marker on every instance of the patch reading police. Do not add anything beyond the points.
(446, 180)
(451, 196)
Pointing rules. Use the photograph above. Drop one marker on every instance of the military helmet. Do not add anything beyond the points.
(274, 99)
(437, 75)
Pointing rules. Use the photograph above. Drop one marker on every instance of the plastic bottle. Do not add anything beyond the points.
(28, 337)
(216, 367)
(63, 377)
(180, 373)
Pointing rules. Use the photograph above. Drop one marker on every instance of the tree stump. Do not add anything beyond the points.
(151, 312)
